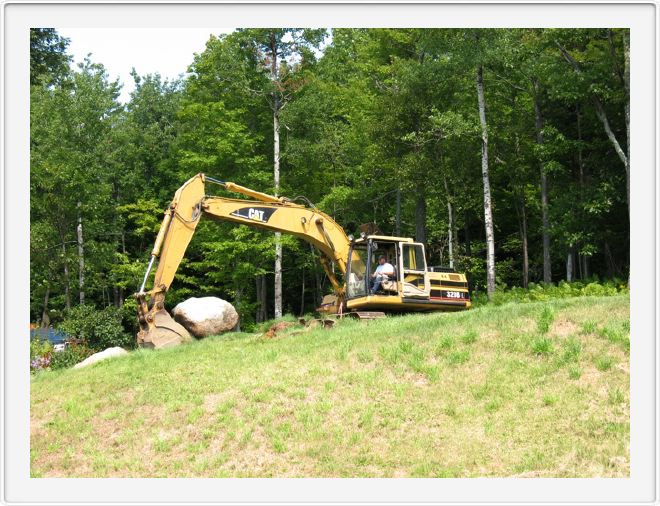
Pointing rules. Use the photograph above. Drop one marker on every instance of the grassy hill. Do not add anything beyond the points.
(539, 389)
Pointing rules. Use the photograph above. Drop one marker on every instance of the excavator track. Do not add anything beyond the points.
(365, 315)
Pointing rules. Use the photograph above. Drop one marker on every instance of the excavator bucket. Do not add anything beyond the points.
(162, 331)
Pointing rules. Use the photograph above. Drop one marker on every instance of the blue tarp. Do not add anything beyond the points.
(54, 336)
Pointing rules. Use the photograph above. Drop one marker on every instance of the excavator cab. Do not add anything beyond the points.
(415, 285)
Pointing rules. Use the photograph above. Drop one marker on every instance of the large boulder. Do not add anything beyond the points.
(206, 316)
(101, 355)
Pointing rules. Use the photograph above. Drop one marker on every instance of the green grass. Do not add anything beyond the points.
(535, 389)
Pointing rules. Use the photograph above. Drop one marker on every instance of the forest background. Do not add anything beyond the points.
(505, 151)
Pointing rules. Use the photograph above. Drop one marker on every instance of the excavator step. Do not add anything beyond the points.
(366, 315)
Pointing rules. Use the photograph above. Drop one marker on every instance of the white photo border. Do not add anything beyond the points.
(17, 486)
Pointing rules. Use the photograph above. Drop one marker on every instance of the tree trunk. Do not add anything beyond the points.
(67, 292)
(585, 266)
(45, 319)
(579, 265)
(611, 266)
(81, 259)
(276, 175)
(488, 213)
(278, 235)
(302, 293)
(626, 80)
(420, 216)
(523, 234)
(468, 247)
(580, 258)
(450, 224)
(318, 288)
(237, 303)
(397, 220)
(569, 265)
(257, 292)
(123, 249)
(547, 264)
(262, 298)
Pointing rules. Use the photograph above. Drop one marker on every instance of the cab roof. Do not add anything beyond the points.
(384, 238)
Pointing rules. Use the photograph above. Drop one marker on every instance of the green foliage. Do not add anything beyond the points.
(48, 59)
(97, 329)
(40, 348)
(70, 356)
(543, 292)
(41, 351)
(380, 125)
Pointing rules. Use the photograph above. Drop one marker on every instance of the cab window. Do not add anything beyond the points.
(413, 257)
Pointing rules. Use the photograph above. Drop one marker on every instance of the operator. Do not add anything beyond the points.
(383, 272)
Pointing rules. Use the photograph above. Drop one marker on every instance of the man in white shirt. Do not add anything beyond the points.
(383, 272)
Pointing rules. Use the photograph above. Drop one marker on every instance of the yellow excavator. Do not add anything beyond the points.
(414, 286)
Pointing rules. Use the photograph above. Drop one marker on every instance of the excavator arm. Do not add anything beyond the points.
(268, 212)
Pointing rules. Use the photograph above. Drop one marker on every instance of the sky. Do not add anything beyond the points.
(167, 51)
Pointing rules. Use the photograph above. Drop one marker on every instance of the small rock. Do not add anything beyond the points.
(206, 316)
(101, 355)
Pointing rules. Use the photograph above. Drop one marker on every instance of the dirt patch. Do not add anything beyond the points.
(212, 401)
(563, 328)
(277, 328)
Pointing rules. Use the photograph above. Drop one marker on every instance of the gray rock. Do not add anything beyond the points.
(206, 316)
(101, 355)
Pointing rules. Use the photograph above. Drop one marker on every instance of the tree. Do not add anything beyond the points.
(49, 62)
(272, 48)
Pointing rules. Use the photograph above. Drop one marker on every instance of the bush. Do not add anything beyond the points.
(97, 329)
(40, 353)
(547, 291)
(70, 356)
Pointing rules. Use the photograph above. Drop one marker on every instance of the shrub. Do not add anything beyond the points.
(70, 356)
(40, 347)
(98, 329)
(40, 353)
(547, 291)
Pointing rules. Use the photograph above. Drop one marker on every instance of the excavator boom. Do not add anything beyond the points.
(157, 328)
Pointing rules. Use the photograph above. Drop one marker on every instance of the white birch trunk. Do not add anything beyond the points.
(488, 213)
(278, 235)
(276, 177)
(450, 225)
(81, 259)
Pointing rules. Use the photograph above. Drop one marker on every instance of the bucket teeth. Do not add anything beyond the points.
(164, 332)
